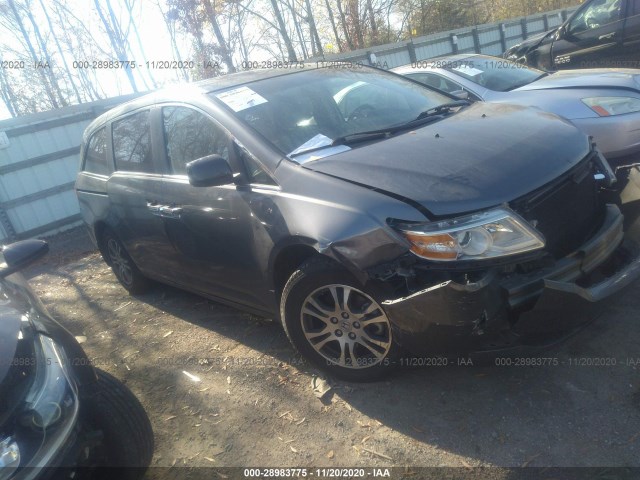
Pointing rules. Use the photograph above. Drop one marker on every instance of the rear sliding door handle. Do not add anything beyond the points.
(607, 36)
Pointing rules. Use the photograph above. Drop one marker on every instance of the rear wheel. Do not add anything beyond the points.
(122, 265)
(337, 323)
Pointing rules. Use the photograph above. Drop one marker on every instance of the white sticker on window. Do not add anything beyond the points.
(241, 98)
(467, 70)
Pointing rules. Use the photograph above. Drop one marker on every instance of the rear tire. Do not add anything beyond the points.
(337, 323)
(127, 434)
(122, 265)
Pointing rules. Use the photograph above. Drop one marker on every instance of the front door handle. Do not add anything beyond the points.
(170, 212)
(607, 36)
(154, 207)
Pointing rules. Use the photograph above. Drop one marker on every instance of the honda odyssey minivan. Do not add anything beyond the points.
(373, 216)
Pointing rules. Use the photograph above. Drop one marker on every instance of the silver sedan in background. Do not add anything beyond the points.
(604, 103)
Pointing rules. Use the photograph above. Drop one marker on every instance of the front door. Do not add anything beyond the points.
(210, 229)
(593, 36)
(631, 38)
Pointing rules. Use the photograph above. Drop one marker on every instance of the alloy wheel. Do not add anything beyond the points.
(120, 263)
(346, 326)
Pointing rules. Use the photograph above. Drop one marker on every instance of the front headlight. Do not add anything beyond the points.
(607, 106)
(9, 457)
(491, 234)
(43, 423)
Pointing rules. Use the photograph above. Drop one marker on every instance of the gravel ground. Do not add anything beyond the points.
(224, 388)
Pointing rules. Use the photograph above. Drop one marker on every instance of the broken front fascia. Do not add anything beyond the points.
(451, 316)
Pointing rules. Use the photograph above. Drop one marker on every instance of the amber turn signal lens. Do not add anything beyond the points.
(435, 247)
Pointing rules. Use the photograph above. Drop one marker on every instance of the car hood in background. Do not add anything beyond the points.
(483, 156)
(531, 42)
(588, 79)
(9, 329)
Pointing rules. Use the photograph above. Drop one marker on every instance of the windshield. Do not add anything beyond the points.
(495, 73)
(312, 108)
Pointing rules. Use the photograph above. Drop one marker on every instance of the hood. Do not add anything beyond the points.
(10, 324)
(589, 79)
(483, 156)
(528, 44)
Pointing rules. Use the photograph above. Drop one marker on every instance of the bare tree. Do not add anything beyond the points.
(117, 39)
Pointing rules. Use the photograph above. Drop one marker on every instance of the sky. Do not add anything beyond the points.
(150, 26)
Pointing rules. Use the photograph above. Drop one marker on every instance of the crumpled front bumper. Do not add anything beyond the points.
(504, 310)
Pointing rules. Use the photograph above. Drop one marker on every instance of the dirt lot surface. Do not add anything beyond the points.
(224, 388)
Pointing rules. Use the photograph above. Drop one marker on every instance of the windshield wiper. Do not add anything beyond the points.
(428, 116)
(444, 108)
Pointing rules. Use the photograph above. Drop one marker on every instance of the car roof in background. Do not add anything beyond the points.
(429, 63)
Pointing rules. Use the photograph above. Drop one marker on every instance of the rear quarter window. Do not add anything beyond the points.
(95, 158)
(132, 143)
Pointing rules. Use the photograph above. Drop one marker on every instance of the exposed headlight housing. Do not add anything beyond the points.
(9, 457)
(491, 234)
(608, 106)
(48, 414)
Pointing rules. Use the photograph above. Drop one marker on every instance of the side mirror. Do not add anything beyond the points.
(209, 171)
(461, 94)
(20, 254)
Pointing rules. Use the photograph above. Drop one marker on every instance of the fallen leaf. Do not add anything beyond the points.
(209, 459)
(330, 454)
(229, 380)
(417, 429)
(167, 334)
(293, 449)
(301, 421)
(170, 418)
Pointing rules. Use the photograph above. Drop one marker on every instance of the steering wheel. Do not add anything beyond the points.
(363, 111)
(591, 22)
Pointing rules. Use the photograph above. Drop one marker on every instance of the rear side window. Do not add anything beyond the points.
(95, 160)
(634, 8)
(190, 135)
(132, 143)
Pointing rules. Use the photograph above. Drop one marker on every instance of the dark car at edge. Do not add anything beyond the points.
(60, 418)
(372, 215)
(599, 34)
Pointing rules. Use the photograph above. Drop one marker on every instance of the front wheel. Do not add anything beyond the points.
(127, 436)
(336, 323)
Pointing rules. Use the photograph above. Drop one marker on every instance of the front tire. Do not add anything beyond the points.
(128, 440)
(337, 323)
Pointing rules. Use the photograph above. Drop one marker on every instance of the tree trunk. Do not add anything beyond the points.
(34, 56)
(345, 28)
(59, 47)
(283, 32)
(129, 5)
(333, 25)
(226, 56)
(374, 27)
(357, 25)
(49, 69)
(116, 40)
(314, 31)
